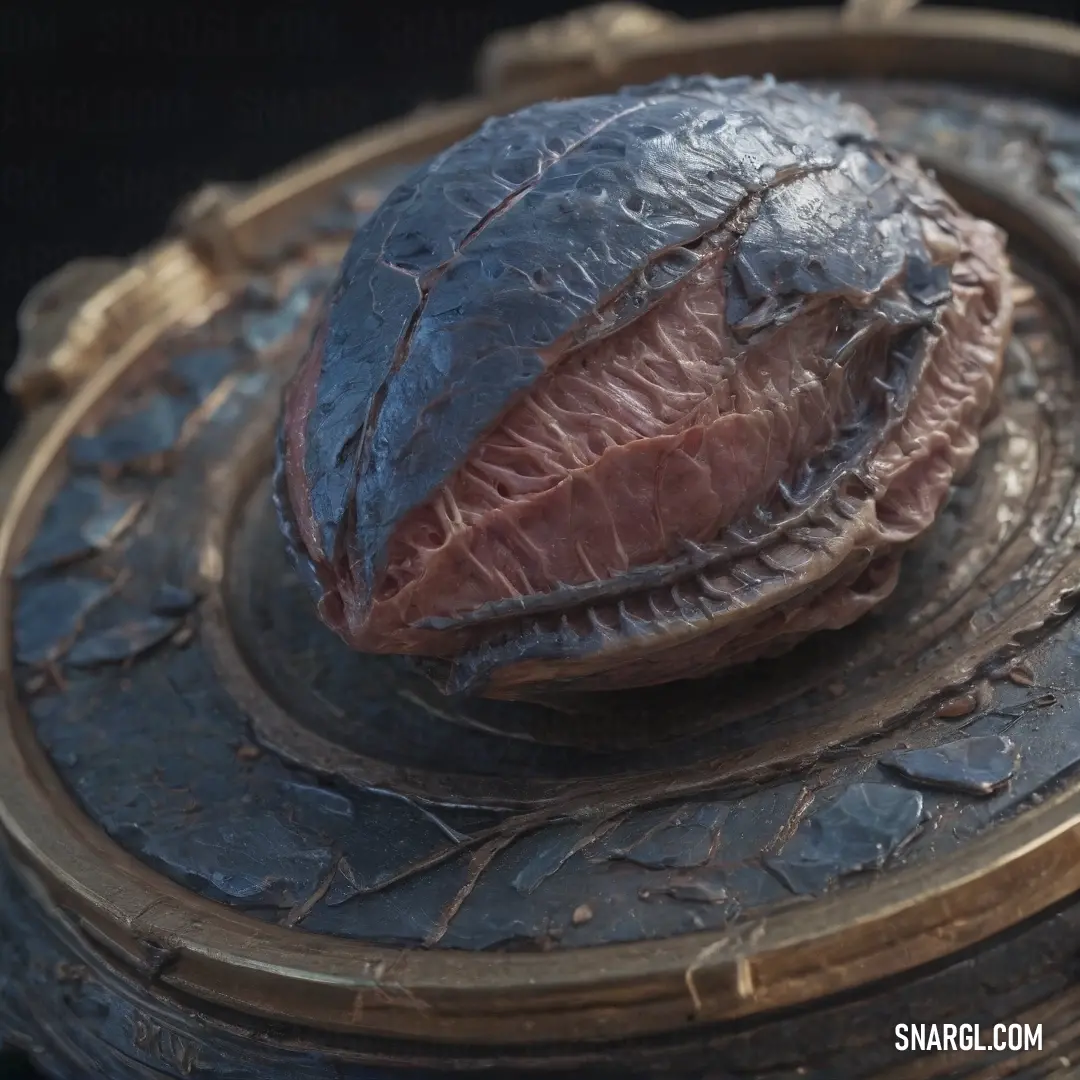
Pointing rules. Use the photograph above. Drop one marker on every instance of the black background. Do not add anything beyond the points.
(112, 113)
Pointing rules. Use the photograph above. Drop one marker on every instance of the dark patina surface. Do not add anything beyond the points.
(479, 825)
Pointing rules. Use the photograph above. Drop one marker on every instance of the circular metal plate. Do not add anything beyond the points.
(225, 799)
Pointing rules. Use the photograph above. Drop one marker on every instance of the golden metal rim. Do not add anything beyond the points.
(861, 934)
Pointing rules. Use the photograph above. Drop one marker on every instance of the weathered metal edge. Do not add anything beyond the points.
(288, 975)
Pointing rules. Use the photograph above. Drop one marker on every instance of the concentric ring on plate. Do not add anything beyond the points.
(984, 572)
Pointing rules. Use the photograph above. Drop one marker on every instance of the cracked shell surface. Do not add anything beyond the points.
(635, 387)
(692, 810)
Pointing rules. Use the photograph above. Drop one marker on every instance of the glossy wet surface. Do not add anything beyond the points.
(478, 825)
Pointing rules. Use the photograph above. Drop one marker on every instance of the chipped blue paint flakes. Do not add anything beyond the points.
(858, 831)
(85, 517)
(688, 839)
(49, 613)
(202, 370)
(263, 330)
(980, 765)
(174, 600)
(152, 430)
(123, 641)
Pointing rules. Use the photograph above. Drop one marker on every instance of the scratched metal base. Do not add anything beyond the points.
(188, 699)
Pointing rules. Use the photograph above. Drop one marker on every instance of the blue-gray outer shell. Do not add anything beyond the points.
(556, 225)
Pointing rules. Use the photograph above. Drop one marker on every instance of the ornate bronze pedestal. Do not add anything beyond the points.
(234, 849)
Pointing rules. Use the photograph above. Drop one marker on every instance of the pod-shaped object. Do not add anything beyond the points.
(630, 388)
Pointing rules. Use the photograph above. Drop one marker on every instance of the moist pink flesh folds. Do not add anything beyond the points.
(657, 447)
(667, 430)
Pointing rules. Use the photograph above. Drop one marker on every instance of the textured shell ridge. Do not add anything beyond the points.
(487, 356)
(629, 376)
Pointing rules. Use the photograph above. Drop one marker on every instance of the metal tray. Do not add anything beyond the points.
(233, 849)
